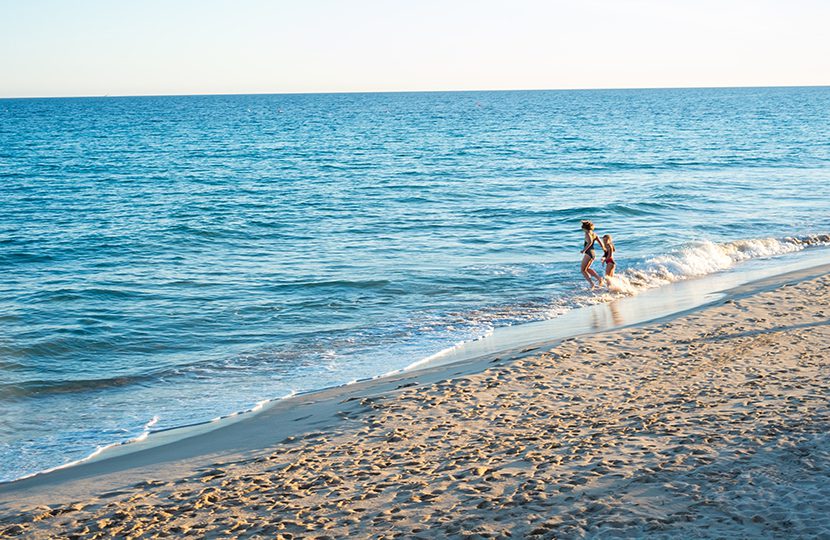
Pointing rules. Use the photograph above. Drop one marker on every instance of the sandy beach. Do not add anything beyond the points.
(712, 424)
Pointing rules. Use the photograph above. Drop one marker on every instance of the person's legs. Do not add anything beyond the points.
(585, 269)
(609, 269)
(594, 273)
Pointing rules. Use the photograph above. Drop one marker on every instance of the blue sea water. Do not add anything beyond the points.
(167, 260)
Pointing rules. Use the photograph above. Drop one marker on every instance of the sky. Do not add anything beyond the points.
(153, 47)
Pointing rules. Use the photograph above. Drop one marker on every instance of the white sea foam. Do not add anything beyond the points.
(429, 359)
(146, 431)
(696, 259)
(703, 257)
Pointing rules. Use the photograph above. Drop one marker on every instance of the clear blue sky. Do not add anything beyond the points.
(119, 47)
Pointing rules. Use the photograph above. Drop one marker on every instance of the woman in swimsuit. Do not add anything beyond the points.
(588, 252)
(608, 255)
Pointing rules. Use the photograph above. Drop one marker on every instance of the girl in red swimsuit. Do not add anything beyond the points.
(608, 255)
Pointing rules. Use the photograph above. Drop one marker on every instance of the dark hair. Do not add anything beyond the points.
(587, 225)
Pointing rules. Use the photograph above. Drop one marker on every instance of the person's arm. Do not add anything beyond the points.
(601, 244)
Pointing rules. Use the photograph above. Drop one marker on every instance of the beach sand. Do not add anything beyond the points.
(711, 424)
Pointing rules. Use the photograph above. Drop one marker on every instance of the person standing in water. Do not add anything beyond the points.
(588, 253)
(608, 255)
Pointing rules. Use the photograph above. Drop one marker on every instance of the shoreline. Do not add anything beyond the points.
(712, 423)
(655, 295)
(306, 415)
(651, 305)
(475, 354)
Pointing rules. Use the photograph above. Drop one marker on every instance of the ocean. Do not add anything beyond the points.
(171, 260)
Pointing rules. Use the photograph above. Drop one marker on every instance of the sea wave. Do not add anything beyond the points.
(704, 257)
(41, 387)
(693, 260)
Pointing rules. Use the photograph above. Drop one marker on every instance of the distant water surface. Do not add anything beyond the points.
(168, 260)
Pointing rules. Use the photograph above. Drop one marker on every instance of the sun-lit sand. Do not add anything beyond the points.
(714, 424)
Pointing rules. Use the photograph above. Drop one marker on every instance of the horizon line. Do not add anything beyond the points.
(576, 89)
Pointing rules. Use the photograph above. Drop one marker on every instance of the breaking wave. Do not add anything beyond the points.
(704, 257)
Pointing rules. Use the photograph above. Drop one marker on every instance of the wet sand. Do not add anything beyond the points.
(712, 424)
